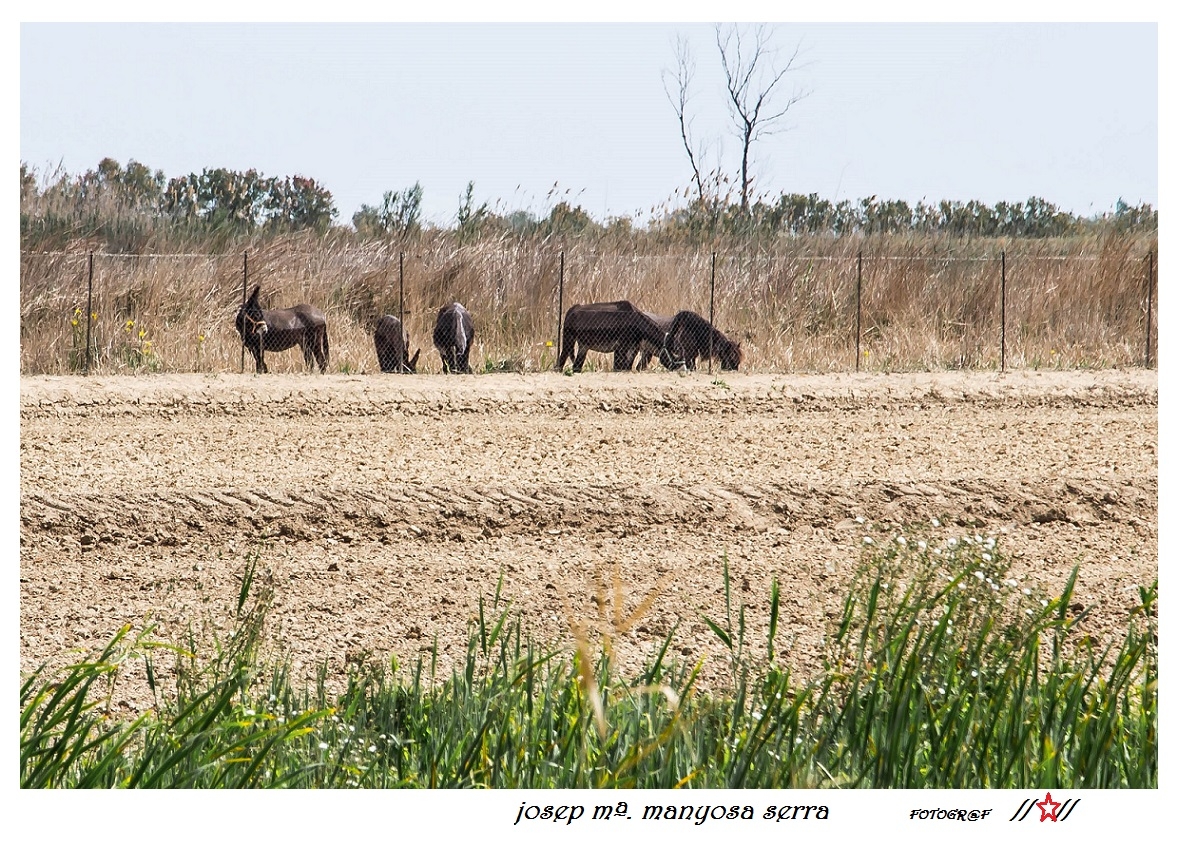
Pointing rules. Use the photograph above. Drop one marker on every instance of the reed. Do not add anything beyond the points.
(927, 302)
(942, 672)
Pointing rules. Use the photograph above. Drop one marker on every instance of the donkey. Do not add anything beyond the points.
(648, 350)
(612, 327)
(690, 336)
(277, 330)
(454, 332)
(393, 346)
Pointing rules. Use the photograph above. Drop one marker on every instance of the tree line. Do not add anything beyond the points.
(112, 200)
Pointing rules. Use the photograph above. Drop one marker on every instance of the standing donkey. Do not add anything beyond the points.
(277, 330)
(454, 332)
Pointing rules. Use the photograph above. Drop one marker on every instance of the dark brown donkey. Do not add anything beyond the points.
(648, 350)
(277, 330)
(393, 345)
(692, 336)
(612, 327)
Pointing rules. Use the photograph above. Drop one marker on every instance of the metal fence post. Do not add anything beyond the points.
(1148, 318)
(713, 267)
(1002, 310)
(857, 332)
(242, 361)
(561, 286)
(401, 292)
(89, 309)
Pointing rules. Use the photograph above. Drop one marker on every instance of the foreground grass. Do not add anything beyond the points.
(941, 672)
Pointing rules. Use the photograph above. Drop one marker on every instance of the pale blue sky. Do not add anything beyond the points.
(988, 112)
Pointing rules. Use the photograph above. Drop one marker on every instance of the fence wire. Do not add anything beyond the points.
(787, 312)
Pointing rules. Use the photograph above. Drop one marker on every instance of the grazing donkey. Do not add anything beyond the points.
(277, 330)
(612, 327)
(648, 350)
(690, 336)
(454, 332)
(393, 346)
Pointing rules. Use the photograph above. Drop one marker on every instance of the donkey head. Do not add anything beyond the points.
(411, 365)
(730, 355)
(250, 321)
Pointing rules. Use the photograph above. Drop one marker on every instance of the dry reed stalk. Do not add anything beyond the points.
(926, 303)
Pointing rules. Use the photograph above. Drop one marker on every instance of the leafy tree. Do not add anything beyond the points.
(1134, 217)
(28, 184)
(249, 199)
(135, 187)
(219, 195)
(470, 219)
(299, 203)
(400, 214)
(564, 218)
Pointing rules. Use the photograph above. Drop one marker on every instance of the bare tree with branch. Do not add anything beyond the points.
(681, 80)
(754, 72)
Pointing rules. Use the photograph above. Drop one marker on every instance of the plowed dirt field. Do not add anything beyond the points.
(382, 507)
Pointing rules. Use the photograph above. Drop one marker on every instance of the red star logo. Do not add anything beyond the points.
(1049, 809)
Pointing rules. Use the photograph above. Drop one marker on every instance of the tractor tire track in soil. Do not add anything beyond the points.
(382, 508)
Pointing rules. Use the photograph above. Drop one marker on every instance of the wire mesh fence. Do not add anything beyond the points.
(845, 311)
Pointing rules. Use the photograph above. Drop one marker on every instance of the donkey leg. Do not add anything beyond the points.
(566, 351)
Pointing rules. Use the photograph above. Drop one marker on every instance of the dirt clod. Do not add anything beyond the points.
(384, 509)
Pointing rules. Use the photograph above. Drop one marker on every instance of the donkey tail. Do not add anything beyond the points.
(460, 335)
(322, 347)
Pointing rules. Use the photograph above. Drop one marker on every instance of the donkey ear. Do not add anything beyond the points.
(253, 299)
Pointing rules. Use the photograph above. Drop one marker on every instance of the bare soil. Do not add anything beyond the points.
(383, 507)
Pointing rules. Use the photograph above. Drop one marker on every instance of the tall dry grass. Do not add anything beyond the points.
(927, 303)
